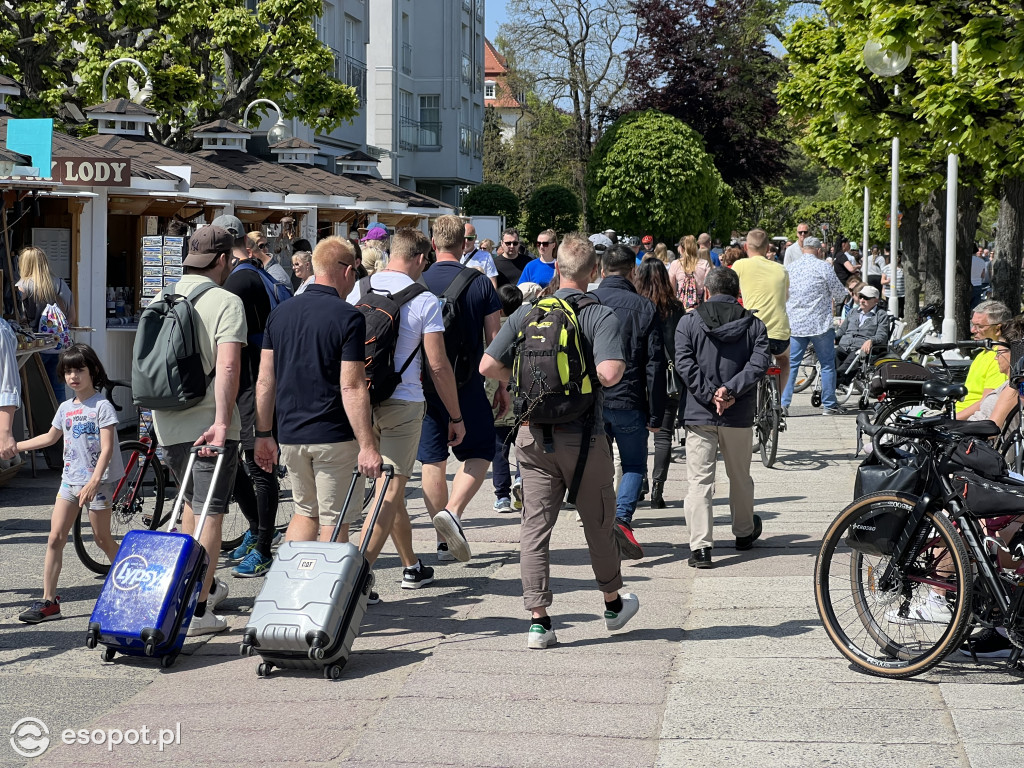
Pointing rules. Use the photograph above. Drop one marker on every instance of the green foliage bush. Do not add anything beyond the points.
(492, 200)
(551, 207)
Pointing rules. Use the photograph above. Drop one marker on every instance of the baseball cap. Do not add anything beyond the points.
(868, 292)
(232, 224)
(609, 233)
(375, 233)
(601, 242)
(853, 246)
(648, 239)
(207, 244)
(812, 242)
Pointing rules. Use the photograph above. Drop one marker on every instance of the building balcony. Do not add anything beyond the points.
(351, 72)
(406, 59)
(467, 5)
(417, 135)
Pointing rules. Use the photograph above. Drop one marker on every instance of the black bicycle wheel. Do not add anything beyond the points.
(807, 372)
(770, 419)
(137, 505)
(235, 523)
(911, 627)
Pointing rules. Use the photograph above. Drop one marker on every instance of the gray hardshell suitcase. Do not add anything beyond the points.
(308, 613)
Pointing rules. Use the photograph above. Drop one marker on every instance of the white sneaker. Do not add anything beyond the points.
(517, 494)
(448, 526)
(630, 605)
(539, 638)
(443, 555)
(932, 609)
(207, 624)
(218, 594)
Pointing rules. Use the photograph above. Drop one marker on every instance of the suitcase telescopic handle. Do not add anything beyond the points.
(387, 472)
(180, 500)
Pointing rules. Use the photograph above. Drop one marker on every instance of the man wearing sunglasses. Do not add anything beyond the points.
(541, 269)
(796, 250)
(865, 328)
(477, 258)
(510, 261)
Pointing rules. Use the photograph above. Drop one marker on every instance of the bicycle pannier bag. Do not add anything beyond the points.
(978, 456)
(989, 498)
(877, 534)
(382, 312)
(898, 377)
(875, 477)
(167, 373)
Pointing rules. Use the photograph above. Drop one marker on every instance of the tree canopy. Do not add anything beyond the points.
(492, 200)
(551, 207)
(650, 171)
(207, 59)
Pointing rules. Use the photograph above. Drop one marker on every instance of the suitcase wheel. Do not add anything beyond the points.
(332, 672)
(108, 654)
(168, 660)
(316, 653)
(150, 648)
(92, 637)
(263, 670)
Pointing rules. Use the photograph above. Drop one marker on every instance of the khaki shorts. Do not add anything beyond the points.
(397, 425)
(321, 474)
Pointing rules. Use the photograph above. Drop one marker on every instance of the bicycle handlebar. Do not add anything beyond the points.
(931, 347)
(109, 388)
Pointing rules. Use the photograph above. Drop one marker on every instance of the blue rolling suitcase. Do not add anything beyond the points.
(153, 586)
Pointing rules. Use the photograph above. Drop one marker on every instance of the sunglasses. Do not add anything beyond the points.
(345, 264)
(471, 237)
(543, 243)
(803, 231)
(262, 246)
(509, 243)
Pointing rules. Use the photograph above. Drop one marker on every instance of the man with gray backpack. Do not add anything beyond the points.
(187, 360)
(559, 354)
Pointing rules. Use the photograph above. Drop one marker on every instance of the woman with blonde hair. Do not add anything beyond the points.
(38, 287)
(688, 273)
(660, 253)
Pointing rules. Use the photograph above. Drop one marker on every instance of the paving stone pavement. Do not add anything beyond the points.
(723, 666)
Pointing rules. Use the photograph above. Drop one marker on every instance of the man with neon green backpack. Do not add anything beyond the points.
(559, 354)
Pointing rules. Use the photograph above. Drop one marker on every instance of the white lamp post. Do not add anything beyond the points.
(864, 251)
(949, 293)
(280, 131)
(143, 94)
(888, 64)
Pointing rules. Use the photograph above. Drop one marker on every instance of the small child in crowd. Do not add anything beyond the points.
(92, 468)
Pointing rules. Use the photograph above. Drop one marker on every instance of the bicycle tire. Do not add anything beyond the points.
(807, 371)
(871, 628)
(137, 505)
(770, 441)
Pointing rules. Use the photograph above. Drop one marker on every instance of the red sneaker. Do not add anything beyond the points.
(629, 547)
(42, 610)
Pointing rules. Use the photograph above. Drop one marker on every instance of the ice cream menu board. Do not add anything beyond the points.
(161, 263)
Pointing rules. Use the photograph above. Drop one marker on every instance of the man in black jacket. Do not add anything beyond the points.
(635, 405)
(721, 354)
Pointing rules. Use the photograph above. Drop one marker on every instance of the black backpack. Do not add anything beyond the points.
(454, 340)
(382, 312)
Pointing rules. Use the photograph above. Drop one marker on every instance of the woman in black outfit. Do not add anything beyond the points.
(652, 282)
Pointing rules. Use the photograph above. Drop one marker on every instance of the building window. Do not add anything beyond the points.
(324, 25)
(489, 88)
(353, 40)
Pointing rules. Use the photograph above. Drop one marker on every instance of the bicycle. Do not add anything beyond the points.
(922, 544)
(807, 371)
(768, 420)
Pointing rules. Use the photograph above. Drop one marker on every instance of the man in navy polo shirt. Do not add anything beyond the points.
(312, 366)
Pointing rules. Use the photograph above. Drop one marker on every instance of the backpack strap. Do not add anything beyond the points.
(462, 281)
(402, 298)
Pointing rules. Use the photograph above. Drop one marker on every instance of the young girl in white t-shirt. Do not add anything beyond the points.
(92, 468)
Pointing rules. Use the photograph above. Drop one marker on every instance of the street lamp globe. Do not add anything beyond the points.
(279, 132)
(883, 62)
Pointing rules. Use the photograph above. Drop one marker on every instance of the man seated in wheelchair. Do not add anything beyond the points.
(865, 329)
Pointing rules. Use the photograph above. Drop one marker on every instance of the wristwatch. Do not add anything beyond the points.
(264, 433)
(455, 421)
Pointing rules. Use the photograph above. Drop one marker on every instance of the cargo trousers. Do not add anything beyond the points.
(546, 478)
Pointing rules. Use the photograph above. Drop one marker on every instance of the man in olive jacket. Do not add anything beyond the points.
(721, 354)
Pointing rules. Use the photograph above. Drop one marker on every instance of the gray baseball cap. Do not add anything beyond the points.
(601, 242)
(232, 224)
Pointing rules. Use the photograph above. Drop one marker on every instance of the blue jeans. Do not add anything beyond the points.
(825, 349)
(501, 472)
(629, 430)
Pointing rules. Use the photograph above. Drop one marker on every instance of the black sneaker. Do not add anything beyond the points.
(414, 578)
(629, 547)
(41, 610)
(988, 645)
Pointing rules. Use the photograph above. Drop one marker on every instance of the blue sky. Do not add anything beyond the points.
(494, 15)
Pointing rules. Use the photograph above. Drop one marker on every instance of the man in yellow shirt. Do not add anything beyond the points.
(764, 286)
(984, 375)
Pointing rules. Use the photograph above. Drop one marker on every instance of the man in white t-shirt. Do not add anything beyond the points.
(477, 258)
(796, 250)
(398, 420)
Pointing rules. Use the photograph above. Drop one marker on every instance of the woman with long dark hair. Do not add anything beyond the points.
(652, 282)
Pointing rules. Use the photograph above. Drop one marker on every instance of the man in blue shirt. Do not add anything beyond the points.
(542, 269)
(477, 319)
(312, 373)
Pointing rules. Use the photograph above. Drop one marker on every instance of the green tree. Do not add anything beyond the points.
(207, 59)
(492, 200)
(551, 207)
(650, 171)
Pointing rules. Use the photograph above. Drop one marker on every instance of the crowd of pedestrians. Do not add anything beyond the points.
(547, 369)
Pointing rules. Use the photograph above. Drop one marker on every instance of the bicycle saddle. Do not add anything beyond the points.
(937, 390)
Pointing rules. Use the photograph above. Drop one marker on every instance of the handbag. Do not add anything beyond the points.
(55, 322)
(671, 381)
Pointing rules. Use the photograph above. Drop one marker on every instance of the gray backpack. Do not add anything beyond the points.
(168, 373)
